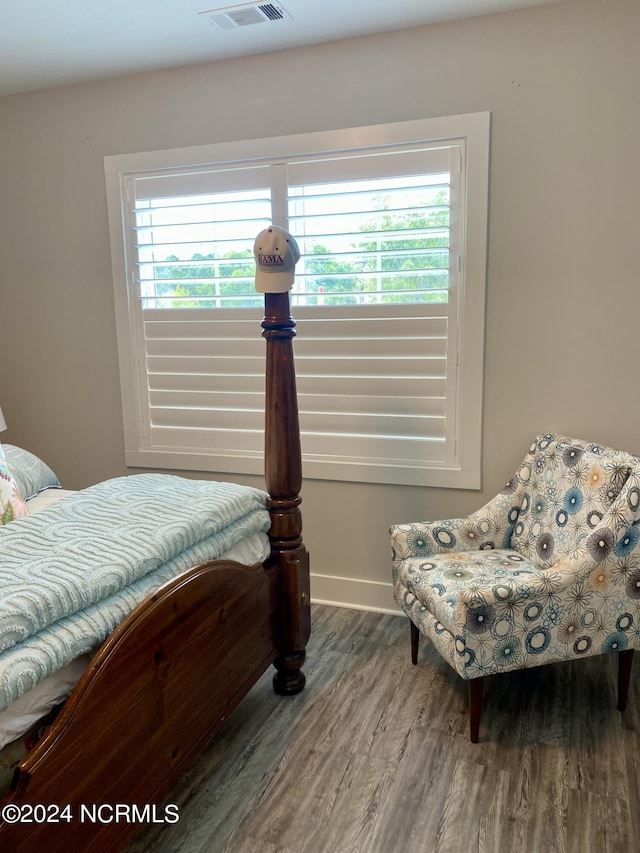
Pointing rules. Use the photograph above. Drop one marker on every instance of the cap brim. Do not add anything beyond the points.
(274, 282)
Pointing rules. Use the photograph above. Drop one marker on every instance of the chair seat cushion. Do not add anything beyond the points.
(532, 616)
(437, 580)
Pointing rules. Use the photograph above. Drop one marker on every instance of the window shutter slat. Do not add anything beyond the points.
(368, 386)
(217, 442)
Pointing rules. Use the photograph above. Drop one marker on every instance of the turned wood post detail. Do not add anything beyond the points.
(283, 475)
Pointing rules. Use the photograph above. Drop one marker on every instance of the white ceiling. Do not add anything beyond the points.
(46, 43)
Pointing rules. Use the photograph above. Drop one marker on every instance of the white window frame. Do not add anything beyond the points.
(461, 468)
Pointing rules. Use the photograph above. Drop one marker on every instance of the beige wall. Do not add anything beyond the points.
(563, 292)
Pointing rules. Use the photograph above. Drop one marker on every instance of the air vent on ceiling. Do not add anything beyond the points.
(231, 17)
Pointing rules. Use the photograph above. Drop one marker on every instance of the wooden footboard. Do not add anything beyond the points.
(159, 688)
(168, 676)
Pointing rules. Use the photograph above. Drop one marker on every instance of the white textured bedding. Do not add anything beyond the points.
(21, 715)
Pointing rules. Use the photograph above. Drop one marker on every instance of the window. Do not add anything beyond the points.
(389, 299)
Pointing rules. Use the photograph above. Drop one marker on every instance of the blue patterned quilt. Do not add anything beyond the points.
(70, 574)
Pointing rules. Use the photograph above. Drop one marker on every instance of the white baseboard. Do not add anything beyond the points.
(353, 593)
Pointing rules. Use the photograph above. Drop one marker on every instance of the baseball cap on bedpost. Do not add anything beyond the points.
(276, 253)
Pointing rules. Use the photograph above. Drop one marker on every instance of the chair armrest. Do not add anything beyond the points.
(489, 527)
(422, 538)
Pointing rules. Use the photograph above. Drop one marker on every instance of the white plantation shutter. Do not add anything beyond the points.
(388, 300)
(195, 315)
(205, 375)
(351, 412)
(373, 356)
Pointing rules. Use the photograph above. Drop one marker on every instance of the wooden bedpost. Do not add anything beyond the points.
(283, 473)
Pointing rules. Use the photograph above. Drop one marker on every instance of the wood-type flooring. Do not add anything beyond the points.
(374, 757)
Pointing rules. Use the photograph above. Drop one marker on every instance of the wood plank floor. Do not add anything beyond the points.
(374, 757)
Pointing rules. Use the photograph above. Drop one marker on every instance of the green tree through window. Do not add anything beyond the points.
(408, 261)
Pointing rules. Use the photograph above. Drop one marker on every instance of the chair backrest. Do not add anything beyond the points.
(567, 487)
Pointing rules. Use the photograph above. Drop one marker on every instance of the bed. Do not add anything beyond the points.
(166, 677)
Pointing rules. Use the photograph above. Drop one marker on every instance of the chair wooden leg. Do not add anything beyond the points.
(475, 707)
(415, 639)
(625, 659)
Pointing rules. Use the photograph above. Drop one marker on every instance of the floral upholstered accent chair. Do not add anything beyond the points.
(548, 570)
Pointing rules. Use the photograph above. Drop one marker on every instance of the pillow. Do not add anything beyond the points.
(11, 503)
(31, 473)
